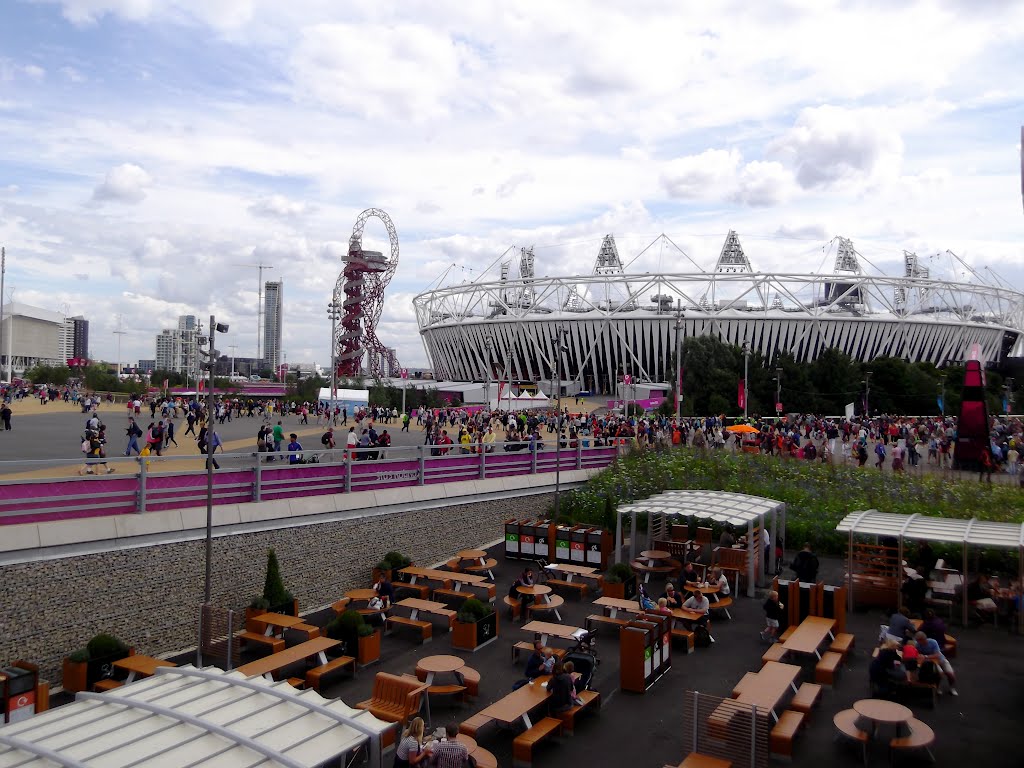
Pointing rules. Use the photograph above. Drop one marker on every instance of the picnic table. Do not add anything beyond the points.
(881, 711)
(546, 629)
(275, 662)
(277, 623)
(808, 637)
(438, 665)
(582, 571)
(518, 704)
(432, 574)
(616, 604)
(141, 666)
(544, 593)
(476, 560)
(766, 689)
(415, 605)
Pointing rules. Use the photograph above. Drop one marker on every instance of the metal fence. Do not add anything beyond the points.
(218, 639)
(727, 729)
(119, 486)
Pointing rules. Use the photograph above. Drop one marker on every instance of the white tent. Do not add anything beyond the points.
(351, 399)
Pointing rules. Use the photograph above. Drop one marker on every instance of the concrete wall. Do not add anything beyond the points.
(149, 595)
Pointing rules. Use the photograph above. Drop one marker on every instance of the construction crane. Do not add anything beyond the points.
(259, 305)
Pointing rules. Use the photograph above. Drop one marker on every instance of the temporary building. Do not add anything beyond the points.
(196, 717)
(917, 527)
(736, 509)
(352, 399)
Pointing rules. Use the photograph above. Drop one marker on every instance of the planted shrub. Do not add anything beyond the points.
(397, 560)
(473, 610)
(619, 573)
(104, 644)
(273, 588)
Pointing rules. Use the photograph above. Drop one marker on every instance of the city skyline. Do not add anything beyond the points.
(152, 147)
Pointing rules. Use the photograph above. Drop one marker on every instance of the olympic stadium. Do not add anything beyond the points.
(612, 323)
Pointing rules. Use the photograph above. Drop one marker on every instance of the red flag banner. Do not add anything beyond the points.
(741, 397)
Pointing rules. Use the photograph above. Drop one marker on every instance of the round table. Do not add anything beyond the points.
(436, 664)
(469, 741)
(704, 589)
(655, 554)
(883, 711)
(537, 590)
(471, 554)
(361, 594)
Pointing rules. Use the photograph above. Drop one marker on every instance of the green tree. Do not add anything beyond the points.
(273, 587)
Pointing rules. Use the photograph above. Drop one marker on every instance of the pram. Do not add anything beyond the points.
(584, 659)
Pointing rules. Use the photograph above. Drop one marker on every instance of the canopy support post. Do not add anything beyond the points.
(632, 536)
(752, 549)
(618, 536)
(769, 571)
(963, 586)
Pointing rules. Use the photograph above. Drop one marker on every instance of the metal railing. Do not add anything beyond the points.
(727, 729)
(118, 486)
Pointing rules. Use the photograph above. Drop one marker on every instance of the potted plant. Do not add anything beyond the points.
(279, 599)
(398, 561)
(476, 625)
(620, 582)
(359, 639)
(257, 605)
(87, 666)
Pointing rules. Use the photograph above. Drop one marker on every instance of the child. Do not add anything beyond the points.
(772, 614)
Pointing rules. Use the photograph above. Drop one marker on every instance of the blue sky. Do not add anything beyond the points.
(151, 145)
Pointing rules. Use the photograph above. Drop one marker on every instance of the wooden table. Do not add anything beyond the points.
(653, 555)
(539, 591)
(363, 595)
(573, 570)
(141, 666)
(432, 574)
(472, 554)
(518, 704)
(704, 589)
(809, 636)
(435, 665)
(277, 623)
(767, 688)
(880, 711)
(415, 605)
(616, 604)
(697, 760)
(275, 662)
(545, 629)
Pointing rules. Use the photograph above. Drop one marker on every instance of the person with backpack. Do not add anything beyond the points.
(134, 433)
(880, 454)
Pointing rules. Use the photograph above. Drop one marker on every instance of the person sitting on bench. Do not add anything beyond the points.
(930, 651)
(672, 596)
(535, 664)
(385, 591)
(901, 628)
(887, 669)
(690, 573)
(717, 577)
(698, 603)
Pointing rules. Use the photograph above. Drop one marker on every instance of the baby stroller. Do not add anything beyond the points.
(584, 660)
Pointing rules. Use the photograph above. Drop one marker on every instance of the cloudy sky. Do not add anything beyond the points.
(151, 146)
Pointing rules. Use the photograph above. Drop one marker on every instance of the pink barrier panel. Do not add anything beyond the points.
(180, 491)
(508, 464)
(449, 469)
(369, 475)
(53, 499)
(297, 480)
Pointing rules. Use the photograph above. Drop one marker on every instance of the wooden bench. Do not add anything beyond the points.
(539, 606)
(723, 604)
(784, 732)
(921, 736)
(453, 564)
(307, 631)
(523, 744)
(647, 570)
(788, 633)
(313, 675)
(107, 684)
(394, 699)
(340, 605)
(738, 688)
(775, 652)
(843, 644)
(600, 618)
(473, 725)
(484, 567)
(425, 628)
(846, 726)
(515, 607)
(580, 587)
(591, 700)
(296, 682)
(681, 633)
(492, 591)
(806, 698)
(440, 690)
(697, 760)
(422, 591)
(468, 677)
(484, 759)
(825, 670)
(451, 596)
(276, 644)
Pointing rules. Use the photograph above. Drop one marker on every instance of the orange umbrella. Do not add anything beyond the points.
(742, 429)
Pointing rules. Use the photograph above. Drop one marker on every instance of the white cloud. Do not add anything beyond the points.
(703, 175)
(763, 184)
(34, 72)
(72, 75)
(832, 144)
(277, 206)
(126, 183)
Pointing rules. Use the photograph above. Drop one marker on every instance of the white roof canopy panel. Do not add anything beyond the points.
(920, 527)
(184, 715)
(720, 506)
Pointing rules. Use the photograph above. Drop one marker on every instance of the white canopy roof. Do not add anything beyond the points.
(984, 533)
(197, 717)
(720, 506)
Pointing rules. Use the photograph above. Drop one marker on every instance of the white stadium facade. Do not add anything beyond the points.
(612, 323)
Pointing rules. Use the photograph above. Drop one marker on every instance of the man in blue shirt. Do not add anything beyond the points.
(928, 648)
(294, 450)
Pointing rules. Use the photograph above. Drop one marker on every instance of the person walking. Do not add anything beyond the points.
(201, 443)
(191, 419)
(5, 415)
(134, 433)
(170, 435)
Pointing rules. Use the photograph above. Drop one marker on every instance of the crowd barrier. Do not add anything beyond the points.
(136, 485)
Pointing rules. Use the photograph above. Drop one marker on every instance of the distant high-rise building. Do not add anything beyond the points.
(273, 311)
(177, 349)
(81, 337)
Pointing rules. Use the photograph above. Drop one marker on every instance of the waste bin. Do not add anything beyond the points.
(595, 547)
(19, 693)
(578, 544)
(563, 534)
(512, 538)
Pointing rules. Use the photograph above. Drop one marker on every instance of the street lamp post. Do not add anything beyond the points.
(746, 385)
(334, 312)
(215, 328)
(489, 347)
(680, 314)
(778, 391)
(558, 344)
(867, 394)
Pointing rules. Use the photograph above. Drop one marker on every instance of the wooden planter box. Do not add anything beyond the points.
(83, 675)
(470, 636)
(368, 649)
(624, 590)
(74, 675)
(377, 573)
